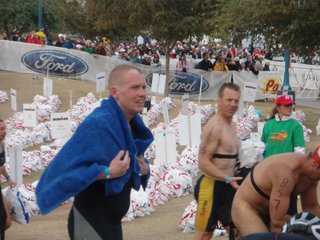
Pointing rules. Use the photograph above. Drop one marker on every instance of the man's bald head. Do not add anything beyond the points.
(115, 77)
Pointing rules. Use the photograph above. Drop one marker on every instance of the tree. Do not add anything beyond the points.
(73, 18)
(292, 23)
(22, 16)
(165, 20)
(16, 16)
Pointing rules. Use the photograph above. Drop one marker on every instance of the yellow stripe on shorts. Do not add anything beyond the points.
(205, 203)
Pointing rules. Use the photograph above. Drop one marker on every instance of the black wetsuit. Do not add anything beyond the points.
(96, 216)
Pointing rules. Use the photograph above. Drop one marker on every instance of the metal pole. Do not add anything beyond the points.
(286, 82)
(40, 15)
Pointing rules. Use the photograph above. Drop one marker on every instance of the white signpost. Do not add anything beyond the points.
(158, 83)
(47, 87)
(145, 117)
(189, 125)
(60, 125)
(185, 104)
(200, 91)
(13, 97)
(189, 129)
(249, 91)
(155, 82)
(165, 141)
(260, 127)
(165, 113)
(100, 82)
(15, 156)
(70, 99)
(29, 115)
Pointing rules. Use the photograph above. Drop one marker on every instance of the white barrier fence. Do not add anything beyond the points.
(65, 63)
(304, 78)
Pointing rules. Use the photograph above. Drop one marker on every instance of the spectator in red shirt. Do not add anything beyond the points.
(33, 38)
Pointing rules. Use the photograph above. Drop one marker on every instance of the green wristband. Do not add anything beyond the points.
(228, 179)
(107, 172)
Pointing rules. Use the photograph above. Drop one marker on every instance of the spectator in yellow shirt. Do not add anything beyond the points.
(220, 65)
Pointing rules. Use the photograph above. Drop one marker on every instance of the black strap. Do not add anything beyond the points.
(218, 155)
(263, 194)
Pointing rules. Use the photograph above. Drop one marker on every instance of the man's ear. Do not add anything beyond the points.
(219, 102)
(113, 92)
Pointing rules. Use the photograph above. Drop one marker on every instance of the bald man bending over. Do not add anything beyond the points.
(267, 197)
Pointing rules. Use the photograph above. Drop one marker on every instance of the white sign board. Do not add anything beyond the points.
(13, 97)
(260, 127)
(165, 113)
(145, 117)
(160, 143)
(171, 145)
(165, 142)
(47, 87)
(158, 83)
(100, 82)
(162, 84)
(185, 104)
(201, 82)
(60, 125)
(249, 91)
(15, 156)
(29, 115)
(155, 82)
(189, 129)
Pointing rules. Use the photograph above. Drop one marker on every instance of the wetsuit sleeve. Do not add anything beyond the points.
(145, 178)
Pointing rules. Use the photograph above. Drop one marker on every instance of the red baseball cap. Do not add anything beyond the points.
(316, 154)
(284, 100)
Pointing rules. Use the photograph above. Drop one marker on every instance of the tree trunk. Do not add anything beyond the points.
(167, 48)
(7, 32)
(167, 70)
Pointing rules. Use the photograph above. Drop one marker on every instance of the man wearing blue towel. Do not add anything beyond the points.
(102, 161)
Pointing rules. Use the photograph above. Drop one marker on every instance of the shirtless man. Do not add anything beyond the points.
(218, 153)
(267, 198)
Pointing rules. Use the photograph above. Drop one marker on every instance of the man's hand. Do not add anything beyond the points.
(234, 183)
(11, 183)
(143, 165)
(120, 164)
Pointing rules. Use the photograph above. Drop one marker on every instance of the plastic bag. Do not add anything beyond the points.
(17, 205)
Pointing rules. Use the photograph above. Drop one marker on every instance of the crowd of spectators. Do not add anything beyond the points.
(208, 57)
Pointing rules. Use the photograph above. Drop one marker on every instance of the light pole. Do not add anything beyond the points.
(286, 88)
(40, 15)
(286, 82)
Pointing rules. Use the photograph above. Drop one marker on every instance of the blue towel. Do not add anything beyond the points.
(97, 140)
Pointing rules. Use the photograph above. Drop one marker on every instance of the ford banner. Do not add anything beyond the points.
(54, 62)
(183, 82)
